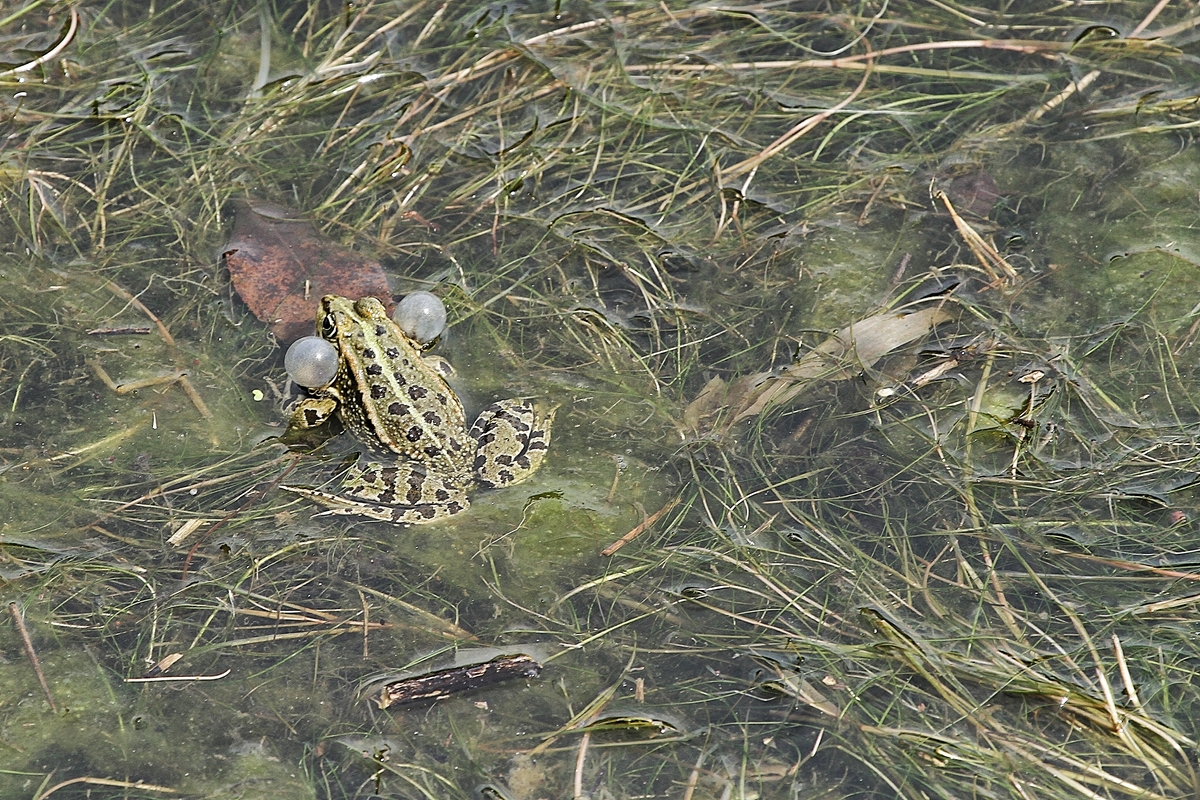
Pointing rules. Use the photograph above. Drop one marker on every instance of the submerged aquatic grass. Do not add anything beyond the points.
(947, 565)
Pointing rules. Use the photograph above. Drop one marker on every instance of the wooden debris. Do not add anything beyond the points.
(443, 683)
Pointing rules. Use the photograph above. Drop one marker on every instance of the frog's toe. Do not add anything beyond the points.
(513, 437)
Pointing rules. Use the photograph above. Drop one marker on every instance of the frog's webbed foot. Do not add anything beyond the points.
(311, 412)
(402, 493)
(513, 437)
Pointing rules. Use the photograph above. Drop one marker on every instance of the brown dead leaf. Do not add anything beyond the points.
(840, 357)
(281, 267)
(974, 193)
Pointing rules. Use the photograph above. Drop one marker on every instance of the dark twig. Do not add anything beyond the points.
(18, 618)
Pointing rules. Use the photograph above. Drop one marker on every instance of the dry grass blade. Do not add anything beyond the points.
(136, 785)
(998, 270)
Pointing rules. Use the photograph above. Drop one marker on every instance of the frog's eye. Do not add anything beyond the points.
(327, 328)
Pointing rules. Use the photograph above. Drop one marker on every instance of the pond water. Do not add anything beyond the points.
(872, 333)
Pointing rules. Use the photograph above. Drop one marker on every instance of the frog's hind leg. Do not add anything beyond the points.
(513, 437)
(402, 493)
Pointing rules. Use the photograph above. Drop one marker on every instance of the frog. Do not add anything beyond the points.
(421, 459)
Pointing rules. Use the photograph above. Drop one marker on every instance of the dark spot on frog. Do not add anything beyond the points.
(380, 330)
(432, 418)
(392, 352)
(374, 369)
(399, 378)
(417, 392)
(377, 391)
(369, 353)
(388, 495)
(397, 409)
(414, 434)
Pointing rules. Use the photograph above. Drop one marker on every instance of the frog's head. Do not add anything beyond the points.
(341, 320)
(339, 317)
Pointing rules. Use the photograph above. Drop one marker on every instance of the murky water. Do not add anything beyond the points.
(758, 562)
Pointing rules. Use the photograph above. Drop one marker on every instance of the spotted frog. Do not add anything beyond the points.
(422, 458)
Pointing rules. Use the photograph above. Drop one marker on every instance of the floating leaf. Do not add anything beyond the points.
(281, 267)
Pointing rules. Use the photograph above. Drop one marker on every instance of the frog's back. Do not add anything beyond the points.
(391, 398)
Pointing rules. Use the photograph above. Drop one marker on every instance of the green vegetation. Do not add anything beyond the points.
(947, 564)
